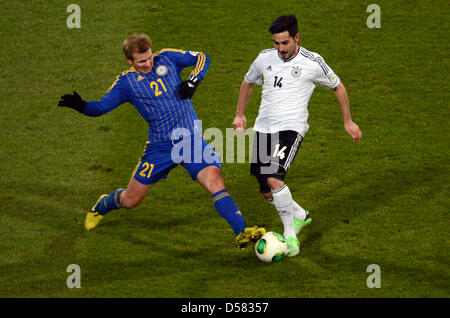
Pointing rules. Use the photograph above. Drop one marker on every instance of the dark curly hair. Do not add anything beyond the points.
(284, 23)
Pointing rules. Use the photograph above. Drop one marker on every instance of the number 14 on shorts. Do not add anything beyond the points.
(279, 152)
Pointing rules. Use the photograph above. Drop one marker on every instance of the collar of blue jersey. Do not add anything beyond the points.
(292, 57)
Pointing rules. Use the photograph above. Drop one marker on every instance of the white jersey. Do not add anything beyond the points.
(287, 88)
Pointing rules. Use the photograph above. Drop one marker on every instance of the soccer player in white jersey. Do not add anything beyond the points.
(290, 74)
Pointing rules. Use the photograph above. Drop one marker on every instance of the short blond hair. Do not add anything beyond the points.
(139, 43)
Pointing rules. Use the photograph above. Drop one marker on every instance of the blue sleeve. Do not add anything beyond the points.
(199, 60)
(117, 95)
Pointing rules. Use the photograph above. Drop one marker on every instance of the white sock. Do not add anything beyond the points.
(284, 204)
(299, 212)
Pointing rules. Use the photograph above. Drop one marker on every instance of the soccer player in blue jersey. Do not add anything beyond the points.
(154, 86)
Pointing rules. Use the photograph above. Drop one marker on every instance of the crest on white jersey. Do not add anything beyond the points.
(161, 70)
(296, 72)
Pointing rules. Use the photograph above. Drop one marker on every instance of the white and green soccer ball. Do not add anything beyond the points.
(271, 247)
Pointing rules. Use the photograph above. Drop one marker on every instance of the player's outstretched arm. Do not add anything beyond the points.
(351, 127)
(73, 101)
(116, 95)
(240, 122)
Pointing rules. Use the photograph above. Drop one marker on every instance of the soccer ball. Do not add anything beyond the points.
(271, 247)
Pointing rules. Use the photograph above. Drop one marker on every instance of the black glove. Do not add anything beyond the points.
(72, 101)
(187, 88)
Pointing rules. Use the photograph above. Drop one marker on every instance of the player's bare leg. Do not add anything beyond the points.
(211, 179)
(134, 194)
(120, 198)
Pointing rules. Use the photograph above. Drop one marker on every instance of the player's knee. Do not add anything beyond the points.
(274, 183)
(212, 179)
(216, 182)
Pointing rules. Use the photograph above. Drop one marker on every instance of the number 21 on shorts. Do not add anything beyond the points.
(147, 171)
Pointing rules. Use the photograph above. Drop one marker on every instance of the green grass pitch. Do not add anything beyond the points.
(383, 201)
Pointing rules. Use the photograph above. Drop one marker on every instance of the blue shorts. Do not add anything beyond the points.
(192, 152)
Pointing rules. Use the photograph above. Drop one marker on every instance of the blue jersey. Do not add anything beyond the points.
(155, 94)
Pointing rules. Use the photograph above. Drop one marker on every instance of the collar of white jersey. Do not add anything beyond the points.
(291, 58)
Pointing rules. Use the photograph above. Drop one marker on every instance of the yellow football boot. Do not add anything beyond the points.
(249, 234)
(93, 217)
